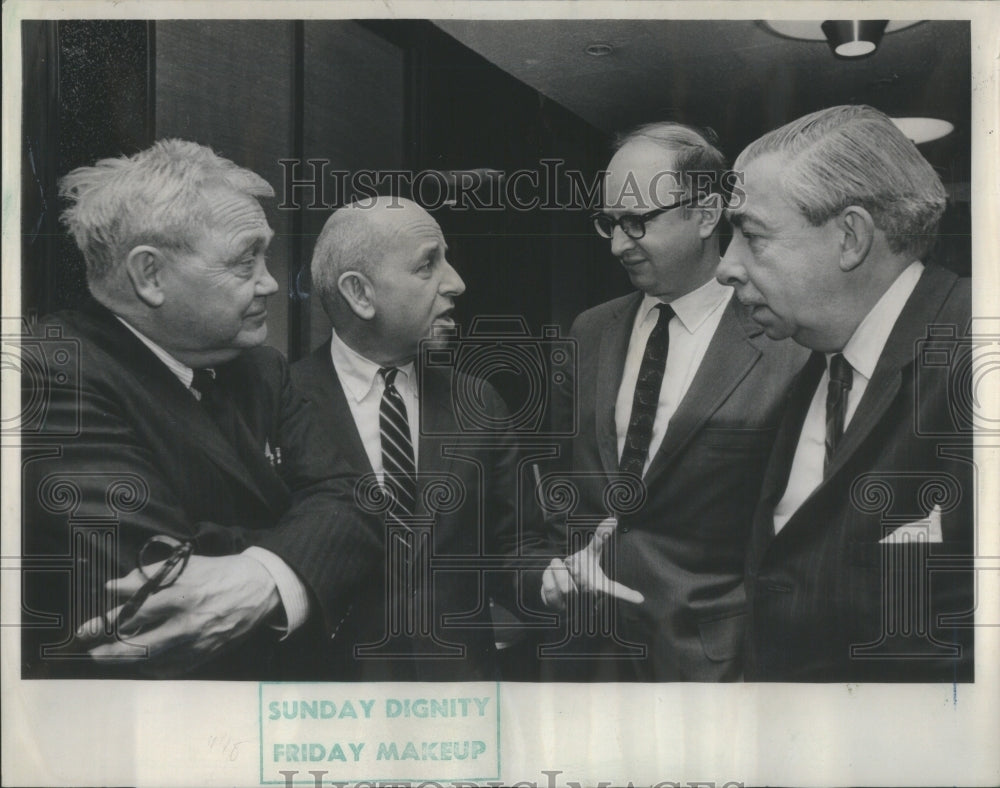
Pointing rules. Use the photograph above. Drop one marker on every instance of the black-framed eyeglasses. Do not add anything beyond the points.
(632, 224)
(160, 560)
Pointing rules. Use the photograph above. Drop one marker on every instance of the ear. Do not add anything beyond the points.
(709, 212)
(145, 266)
(858, 233)
(358, 292)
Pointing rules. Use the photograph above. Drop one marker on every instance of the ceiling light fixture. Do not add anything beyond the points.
(812, 30)
(854, 38)
(599, 49)
(921, 130)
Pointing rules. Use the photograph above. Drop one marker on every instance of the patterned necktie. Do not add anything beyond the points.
(647, 395)
(841, 380)
(397, 447)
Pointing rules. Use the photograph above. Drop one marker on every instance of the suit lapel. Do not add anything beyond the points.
(728, 359)
(179, 407)
(610, 367)
(882, 392)
(437, 420)
(920, 311)
(780, 464)
(327, 393)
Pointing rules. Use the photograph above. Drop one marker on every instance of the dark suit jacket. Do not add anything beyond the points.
(825, 584)
(684, 547)
(475, 533)
(121, 450)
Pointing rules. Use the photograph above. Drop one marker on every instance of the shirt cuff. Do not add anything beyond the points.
(294, 597)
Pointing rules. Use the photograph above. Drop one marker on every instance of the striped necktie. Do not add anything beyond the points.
(397, 448)
(841, 380)
(647, 395)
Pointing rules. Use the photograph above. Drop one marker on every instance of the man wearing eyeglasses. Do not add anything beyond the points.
(181, 512)
(678, 387)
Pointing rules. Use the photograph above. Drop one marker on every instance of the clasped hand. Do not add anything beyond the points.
(216, 601)
(582, 573)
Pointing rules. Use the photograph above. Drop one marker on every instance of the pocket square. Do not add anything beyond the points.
(927, 530)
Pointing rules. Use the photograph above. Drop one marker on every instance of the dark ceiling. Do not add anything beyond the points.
(739, 77)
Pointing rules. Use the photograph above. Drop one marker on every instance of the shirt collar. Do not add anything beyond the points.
(865, 346)
(692, 309)
(183, 372)
(357, 373)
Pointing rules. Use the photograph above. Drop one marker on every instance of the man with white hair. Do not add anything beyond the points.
(175, 455)
(858, 567)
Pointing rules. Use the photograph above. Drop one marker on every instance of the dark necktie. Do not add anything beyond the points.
(224, 413)
(647, 395)
(397, 447)
(841, 379)
(214, 400)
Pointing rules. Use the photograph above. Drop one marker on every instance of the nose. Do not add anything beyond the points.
(731, 270)
(620, 242)
(266, 284)
(451, 283)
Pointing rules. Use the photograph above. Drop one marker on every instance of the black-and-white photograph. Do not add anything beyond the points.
(384, 374)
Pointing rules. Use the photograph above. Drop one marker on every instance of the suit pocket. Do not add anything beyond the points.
(722, 638)
(737, 441)
(873, 554)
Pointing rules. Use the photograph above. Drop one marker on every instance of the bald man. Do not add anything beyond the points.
(381, 270)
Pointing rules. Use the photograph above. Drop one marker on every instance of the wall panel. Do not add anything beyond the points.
(229, 85)
(352, 117)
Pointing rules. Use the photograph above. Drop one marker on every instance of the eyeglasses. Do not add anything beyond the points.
(632, 224)
(161, 560)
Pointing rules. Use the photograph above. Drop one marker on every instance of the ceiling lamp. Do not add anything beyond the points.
(921, 130)
(812, 30)
(854, 38)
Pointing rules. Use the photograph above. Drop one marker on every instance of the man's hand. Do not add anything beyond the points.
(214, 602)
(582, 572)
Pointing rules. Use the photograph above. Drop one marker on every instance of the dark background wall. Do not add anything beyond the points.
(359, 95)
(86, 95)
(355, 95)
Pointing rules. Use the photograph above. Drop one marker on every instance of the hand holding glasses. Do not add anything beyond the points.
(161, 560)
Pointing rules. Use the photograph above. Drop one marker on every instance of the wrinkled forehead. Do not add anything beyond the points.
(237, 216)
(407, 224)
(640, 177)
(760, 193)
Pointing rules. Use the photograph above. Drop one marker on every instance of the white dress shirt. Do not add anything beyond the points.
(862, 352)
(294, 597)
(363, 387)
(697, 315)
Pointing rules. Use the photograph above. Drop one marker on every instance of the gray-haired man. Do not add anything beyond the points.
(858, 564)
(171, 432)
